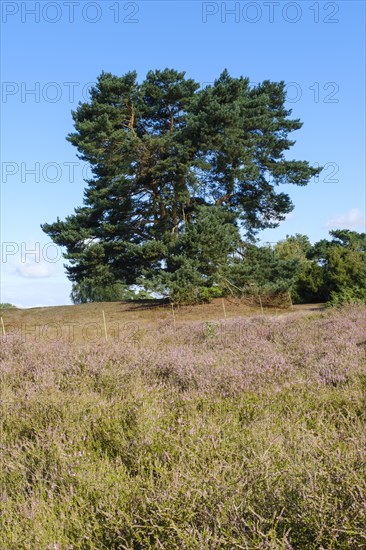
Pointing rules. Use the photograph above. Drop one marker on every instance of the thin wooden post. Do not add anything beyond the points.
(291, 304)
(260, 301)
(105, 326)
(223, 307)
(173, 315)
(3, 326)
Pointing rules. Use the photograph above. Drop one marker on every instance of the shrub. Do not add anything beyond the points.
(248, 433)
(348, 295)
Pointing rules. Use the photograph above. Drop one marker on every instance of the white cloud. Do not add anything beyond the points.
(353, 219)
(30, 260)
(33, 270)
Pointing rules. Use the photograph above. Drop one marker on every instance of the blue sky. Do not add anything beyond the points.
(53, 51)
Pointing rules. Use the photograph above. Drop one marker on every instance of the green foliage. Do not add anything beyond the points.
(208, 293)
(90, 291)
(185, 283)
(6, 306)
(195, 257)
(342, 262)
(293, 248)
(347, 295)
(211, 330)
(159, 152)
(331, 270)
(177, 173)
(310, 285)
(349, 239)
(258, 270)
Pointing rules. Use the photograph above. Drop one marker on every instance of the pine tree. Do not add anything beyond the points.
(158, 152)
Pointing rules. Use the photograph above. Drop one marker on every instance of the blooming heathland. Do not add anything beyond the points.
(248, 433)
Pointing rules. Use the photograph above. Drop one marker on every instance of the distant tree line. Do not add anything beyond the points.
(332, 270)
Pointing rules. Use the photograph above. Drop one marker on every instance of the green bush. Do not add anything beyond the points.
(348, 295)
(90, 291)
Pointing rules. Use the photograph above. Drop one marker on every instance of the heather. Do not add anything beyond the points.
(242, 433)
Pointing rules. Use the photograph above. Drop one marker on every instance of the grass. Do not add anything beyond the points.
(84, 322)
(243, 433)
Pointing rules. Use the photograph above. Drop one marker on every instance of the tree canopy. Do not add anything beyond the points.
(177, 172)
